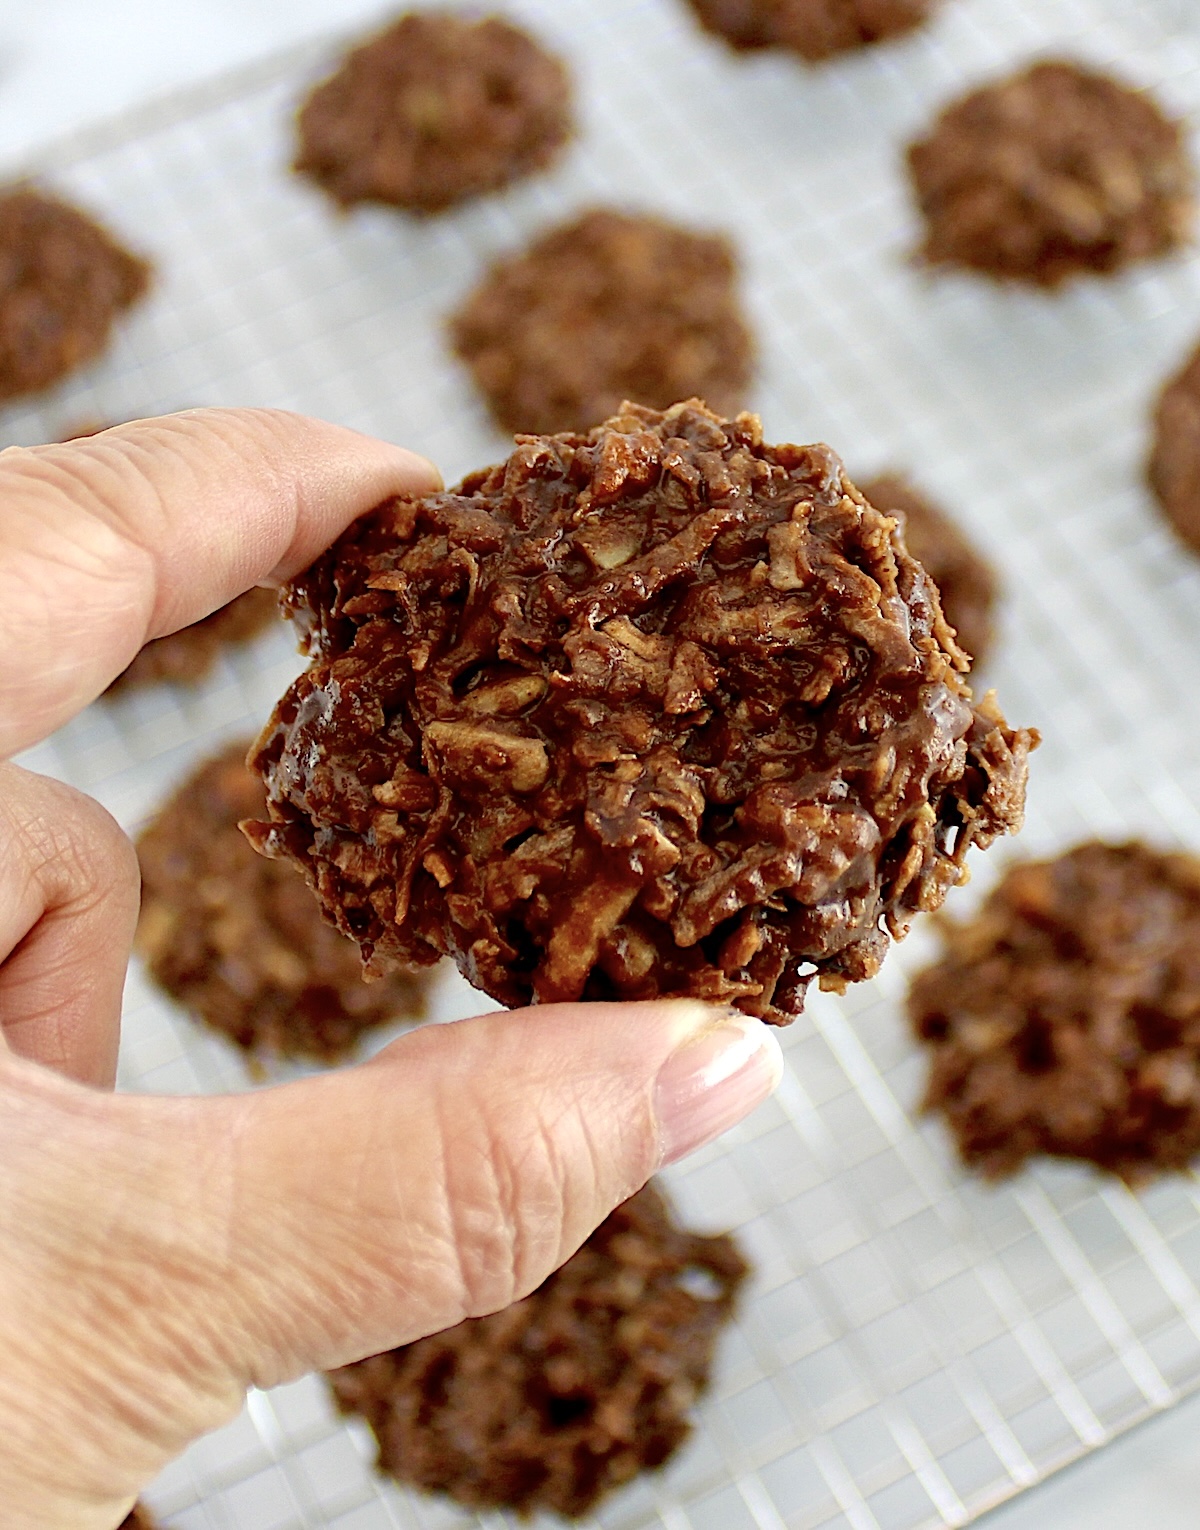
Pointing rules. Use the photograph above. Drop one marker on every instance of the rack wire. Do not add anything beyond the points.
(916, 1347)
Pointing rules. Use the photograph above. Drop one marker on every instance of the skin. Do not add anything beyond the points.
(157, 1255)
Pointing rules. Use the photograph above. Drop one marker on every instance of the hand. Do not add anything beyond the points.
(158, 1256)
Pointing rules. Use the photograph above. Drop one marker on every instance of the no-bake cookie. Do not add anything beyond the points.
(1065, 1019)
(562, 1397)
(1056, 171)
(611, 306)
(436, 108)
(962, 574)
(815, 29)
(240, 941)
(1175, 458)
(659, 709)
(64, 281)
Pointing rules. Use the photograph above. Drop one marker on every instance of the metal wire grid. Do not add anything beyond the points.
(915, 1347)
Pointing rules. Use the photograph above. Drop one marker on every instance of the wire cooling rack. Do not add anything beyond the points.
(916, 1347)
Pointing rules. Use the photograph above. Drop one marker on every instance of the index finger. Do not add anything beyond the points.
(125, 536)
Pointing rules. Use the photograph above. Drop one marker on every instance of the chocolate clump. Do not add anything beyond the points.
(658, 710)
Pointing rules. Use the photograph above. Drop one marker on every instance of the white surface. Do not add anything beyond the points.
(949, 378)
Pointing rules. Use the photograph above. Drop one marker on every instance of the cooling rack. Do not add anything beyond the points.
(916, 1347)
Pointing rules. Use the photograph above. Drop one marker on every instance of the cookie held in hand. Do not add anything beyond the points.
(657, 710)
(965, 580)
(436, 108)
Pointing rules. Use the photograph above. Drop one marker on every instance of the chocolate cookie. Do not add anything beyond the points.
(815, 29)
(434, 109)
(562, 1397)
(1065, 1019)
(1056, 171)
(1175, 459)
(656, 710)
(64, 281)
(187, 656)
(612, 306)
(240, 941)
(963, 576)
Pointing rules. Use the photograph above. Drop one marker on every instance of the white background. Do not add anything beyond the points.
(66, 63)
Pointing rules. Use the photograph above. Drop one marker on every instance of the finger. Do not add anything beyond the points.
(68, 906)
(121, 537)
(253, 1239)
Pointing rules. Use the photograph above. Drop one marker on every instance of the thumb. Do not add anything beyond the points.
(185, 1249)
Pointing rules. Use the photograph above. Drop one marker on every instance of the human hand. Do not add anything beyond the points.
(158, 1256)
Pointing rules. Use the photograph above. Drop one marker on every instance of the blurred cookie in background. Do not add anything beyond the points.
(188, 656)
(815, 29)
(965, 579)
(1054, 172)
(64, 282)
(436, 108)
(1065, 1018)
(1174, 467)
(552, 1403)
(239, 941)
(608, 307)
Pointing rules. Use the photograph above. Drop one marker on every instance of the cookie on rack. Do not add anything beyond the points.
(965, 579)
(1054, 172)
(570, 1393)
(608, 307)
(1065, 1018)
(64, 282)
(436, 108)
(815, 29)
(1174, 467)
(239, 941)
(657, 710)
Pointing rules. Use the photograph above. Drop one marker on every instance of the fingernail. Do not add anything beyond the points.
(713, 1079)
